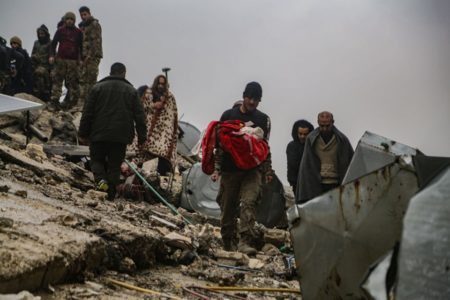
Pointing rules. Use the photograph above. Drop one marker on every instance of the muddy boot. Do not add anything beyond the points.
(245, 247)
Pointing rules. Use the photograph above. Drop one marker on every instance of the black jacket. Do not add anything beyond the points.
(111, 112)
(309, 182)
(294, 153)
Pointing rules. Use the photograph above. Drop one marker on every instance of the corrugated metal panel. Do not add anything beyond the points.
(424, 260)
(10, 104)
(339, 235)
(190, 138)
(374, 152)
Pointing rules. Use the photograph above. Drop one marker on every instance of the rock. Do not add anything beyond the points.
(177, 240)
(24, 295)
(231, 258)
(4, 189)
(270, 249)
(97, 195)
(127, 265)
(255, 264)
(21, 193)
(6, 222)
(277, 237)
(35, 152)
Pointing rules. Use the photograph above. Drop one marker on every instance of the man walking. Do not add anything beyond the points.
(67, 60)
(110, 116)
(326, 157)
(92, 53)
(294, 150)
(240, 188)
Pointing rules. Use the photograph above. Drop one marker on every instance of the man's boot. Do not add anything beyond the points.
(229, 245)
(244, 246)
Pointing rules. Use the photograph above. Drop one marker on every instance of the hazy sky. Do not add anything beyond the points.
(378, 65)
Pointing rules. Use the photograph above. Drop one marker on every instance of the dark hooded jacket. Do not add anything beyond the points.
(111, 112)
(309, 182)
(294, 153)
(41, 49)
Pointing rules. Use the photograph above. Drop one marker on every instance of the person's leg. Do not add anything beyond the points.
(98, 153)
(72, 83)
(251, 185)
(116, 155)
(230, 182)
(58, 75)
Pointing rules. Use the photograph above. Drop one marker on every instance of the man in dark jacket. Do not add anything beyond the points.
(326, 157)
(9, 59)
(21, 77)
(294, 150)
(240, 188)
(110, 115)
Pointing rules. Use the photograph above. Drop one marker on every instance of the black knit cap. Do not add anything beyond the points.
(253, 90)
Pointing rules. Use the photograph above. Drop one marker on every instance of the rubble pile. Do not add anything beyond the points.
(61, 239)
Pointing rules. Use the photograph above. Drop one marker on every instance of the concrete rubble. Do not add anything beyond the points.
(61, 239)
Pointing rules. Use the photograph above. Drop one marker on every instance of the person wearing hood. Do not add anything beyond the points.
(326, 157)
(40, 62)
(66, 61)
(161, 114)
(92, 52)
(21, 77)
(9, 60)
(294, 150)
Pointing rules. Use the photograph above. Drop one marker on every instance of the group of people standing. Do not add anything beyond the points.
(317, 159)
(72, 57)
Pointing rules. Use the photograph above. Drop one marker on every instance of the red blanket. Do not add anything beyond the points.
(246, 150)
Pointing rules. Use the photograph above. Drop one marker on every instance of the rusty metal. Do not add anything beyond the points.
(339, 235)
(375, 152)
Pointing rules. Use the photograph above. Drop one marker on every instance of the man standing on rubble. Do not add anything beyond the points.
(68, 38)
(294, 150)
(110, 116)
(240, 188)
(92, 53)
(326, 157)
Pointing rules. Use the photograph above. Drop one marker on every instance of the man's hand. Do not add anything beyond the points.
(269, 176)
(215, 176)
(51, 60)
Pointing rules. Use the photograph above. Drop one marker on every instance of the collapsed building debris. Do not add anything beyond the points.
(60, 238)
(340, 235)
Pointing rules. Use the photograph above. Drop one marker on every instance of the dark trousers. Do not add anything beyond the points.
(106, 158)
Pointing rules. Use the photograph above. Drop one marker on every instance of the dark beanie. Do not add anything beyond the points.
(253, 90)
(141, 90)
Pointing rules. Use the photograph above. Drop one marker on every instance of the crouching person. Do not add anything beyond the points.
(110, 117)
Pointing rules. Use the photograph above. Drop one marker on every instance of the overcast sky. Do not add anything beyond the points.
(381, 66)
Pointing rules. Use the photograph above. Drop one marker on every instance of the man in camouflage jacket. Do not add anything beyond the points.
(40, 64)
(92, 53)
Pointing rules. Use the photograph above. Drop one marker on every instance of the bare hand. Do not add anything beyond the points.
(83, 141)
(51, 60)
(269, 178)
(215, 176)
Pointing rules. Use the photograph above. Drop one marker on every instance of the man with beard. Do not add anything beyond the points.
(67, 60)
(161, 113)
(21, 77)
(40, 63)
(92, 52)
(326, 157)
(110, 117)
(239, 189)
(294, 150)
